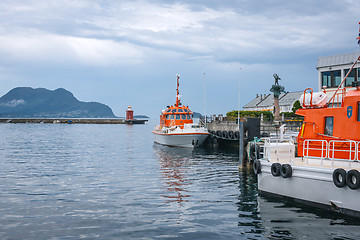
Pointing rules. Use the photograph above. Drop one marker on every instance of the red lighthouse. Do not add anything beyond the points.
(129, 114)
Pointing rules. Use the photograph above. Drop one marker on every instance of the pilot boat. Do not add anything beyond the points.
(177, 127)
(324, 171)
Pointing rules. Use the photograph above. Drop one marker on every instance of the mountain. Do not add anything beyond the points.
(44, 103)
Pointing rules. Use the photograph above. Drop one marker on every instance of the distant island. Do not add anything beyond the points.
(27, 102)
(140, 116)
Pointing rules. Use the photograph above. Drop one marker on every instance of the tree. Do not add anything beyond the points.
(296, 106)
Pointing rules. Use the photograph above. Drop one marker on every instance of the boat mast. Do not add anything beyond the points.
(177, 103)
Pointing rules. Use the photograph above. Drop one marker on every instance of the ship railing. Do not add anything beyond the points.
(311, 145)
(334, 150)
(279, 148)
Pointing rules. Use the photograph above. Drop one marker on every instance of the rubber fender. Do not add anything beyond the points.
(353, 179)
(275, 169)
(231, 134)
(237, 135)
(286, 170)
(224, 134)
(257, 166)
(339, 177)
(254, 151)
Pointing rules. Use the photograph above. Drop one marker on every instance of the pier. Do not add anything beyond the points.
(74, 120)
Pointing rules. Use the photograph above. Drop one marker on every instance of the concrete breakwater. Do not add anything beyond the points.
(73, 120)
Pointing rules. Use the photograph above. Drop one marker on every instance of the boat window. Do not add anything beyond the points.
(180, 110)
(185, 110)
(358, 116)
(173, 111)
(331, 78)
(169, 110)
(352, 76)
(183, 116)
(171, 116)
(329, 125)
(177, 117)
(168, 117)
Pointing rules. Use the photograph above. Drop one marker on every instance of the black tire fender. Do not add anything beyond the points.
(353, 179)
(254, 151)
(275, 169)
(339, 177)
(286, 170)
(257, 166)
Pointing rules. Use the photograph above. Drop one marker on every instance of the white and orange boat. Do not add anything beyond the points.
(325, 169)
(177, 127)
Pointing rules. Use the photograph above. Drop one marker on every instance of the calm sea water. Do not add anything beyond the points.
(62, 181)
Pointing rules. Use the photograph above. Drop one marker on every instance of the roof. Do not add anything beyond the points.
(253, 103)
(285, 99)
(342, 59)
(269, 101)
(290, 98)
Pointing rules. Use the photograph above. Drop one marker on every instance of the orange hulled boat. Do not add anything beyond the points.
(177, 127)
(325, 169)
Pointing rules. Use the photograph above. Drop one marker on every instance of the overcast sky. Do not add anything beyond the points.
(122, 53)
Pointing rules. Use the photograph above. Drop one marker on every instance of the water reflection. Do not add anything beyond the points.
(173, 164)
(282, 219)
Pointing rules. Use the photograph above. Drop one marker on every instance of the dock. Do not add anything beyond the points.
(74, 120)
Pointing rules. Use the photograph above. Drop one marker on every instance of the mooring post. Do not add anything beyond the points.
(241, 144)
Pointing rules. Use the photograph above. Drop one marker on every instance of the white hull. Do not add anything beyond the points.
(312, 186)
(180, 140)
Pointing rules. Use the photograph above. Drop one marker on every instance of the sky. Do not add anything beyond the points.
(123, 53)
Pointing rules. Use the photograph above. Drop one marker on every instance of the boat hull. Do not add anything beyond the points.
(312, 186)
(180, 140)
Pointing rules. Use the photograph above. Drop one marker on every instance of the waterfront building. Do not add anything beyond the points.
(265, 102)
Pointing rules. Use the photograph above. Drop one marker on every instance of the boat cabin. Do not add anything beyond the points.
(176, 116)
(332, 130)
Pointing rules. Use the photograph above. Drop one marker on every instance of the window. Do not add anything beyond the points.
(171, 116)
(167, 117)
(352, 77)
(358, 111)
(177, 117)
(331, 79)
(183, 116)
(169, 110)
(180, 110)
(185, 110)
(173, 111)
(329, 125)
(326, 79)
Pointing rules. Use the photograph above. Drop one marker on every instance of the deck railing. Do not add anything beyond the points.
(334, 150)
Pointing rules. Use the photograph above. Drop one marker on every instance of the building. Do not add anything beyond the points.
(265, 102)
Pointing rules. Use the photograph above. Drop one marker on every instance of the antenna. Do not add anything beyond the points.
(204, 98)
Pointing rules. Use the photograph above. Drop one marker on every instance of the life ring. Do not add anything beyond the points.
(254, 151)
(353, 179)
(231, 134)
(339, 177)
(286, 170)
(275, 169)
(257, 166)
